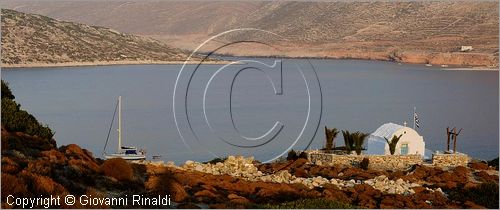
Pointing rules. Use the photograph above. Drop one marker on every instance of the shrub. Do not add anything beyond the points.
(303, 155)
(364, 163)
(27, 145)
(485, 194)
(493, 163)
(17, 120)
(216, 160)
(118, 168)
(292, 155)
(6, 93)
(317, 203)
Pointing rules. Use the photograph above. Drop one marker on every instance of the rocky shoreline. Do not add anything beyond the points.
(456, 66)
(107, 63)
(450, 60)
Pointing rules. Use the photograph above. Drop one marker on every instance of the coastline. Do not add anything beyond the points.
(471, 69)
(219, 62)
(105, 63)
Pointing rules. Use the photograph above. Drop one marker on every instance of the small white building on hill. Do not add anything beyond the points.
(410, 143)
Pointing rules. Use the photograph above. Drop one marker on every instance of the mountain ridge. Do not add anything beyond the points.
(411, 32)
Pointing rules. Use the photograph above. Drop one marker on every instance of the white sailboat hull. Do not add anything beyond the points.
(125, 156)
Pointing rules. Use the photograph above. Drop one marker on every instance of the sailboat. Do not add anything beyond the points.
(124, 152)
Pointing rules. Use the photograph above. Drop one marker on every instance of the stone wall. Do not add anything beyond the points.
(450, 160)
(380, 162)
(387, 162)
(394, 162)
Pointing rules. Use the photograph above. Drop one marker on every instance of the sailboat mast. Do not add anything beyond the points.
(119, 123)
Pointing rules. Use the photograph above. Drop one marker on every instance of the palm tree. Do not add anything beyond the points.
(331, 134)
(348, 141)
(358, 139)
(392, 144)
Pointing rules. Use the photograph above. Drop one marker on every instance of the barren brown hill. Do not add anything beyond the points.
(415, 32)
(37, 40)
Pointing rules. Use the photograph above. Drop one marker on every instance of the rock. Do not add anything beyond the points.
(189, 162)
(199, 168)
(400, 181)
(472, 205)
(209, 187)
(399, 189)
(469, 185)
(450, 185)
(412, 185)
(334, 181)
(205, 193)
(479, 166)
(234, 196)
(300, 172)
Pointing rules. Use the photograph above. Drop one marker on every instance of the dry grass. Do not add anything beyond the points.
(9, 166)
(43, 185)
(118, 169)
(41, 167)
(13, 185)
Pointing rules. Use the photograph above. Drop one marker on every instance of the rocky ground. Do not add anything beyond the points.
(240, 182)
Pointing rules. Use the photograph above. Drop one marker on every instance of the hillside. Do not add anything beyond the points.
(413, 32)
(34, 40)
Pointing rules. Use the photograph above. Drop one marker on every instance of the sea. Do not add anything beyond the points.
(260, 107)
